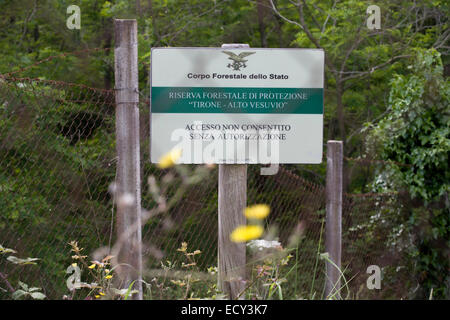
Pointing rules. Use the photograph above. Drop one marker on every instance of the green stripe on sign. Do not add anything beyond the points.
(237, 100)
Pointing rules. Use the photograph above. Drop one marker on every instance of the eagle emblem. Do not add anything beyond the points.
(238, 60)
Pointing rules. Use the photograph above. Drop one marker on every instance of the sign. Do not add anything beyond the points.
(243, 105)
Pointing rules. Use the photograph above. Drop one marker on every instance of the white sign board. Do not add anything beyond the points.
(245, 105)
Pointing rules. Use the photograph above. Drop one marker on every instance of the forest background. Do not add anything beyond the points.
(387, 98)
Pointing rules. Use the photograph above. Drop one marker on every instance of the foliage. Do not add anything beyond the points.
(26, 291)
(55, 172)
(359, 61)
(101, 274)
(416, 134)
(268, 268)
(23, 291)
(46, 176)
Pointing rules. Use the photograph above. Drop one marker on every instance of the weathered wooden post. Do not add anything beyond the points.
(128, 184)
(334, 217)
(232, 202)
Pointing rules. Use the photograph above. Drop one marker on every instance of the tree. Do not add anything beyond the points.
(357, 58)
(416, 133)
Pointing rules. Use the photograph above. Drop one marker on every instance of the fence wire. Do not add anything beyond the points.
(57, 161)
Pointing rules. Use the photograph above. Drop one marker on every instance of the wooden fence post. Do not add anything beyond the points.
(128, 184)
(232, 202)
(333, 217)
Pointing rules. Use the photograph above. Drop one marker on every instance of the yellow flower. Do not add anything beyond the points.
(169, 159)
(97, 297)
(178, 282)
(108, 277)
(101, 293)
(258, 211)
(246, 233)
(92, 266)
(183, 247)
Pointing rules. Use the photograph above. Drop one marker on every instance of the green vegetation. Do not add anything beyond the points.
(387, 97)
(417, 133)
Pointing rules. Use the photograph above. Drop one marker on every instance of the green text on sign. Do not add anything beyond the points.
(237, 100)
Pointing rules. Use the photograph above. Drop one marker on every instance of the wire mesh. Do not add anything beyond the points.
(57, 160)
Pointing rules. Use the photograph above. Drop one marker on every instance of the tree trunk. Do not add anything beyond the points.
(153, 17)
(262, 27)
(138, 8)
(340, 109)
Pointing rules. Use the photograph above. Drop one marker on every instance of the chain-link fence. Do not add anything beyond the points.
(57, 161)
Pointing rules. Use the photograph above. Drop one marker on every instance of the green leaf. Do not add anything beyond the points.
(130, 291)
(19, 294)
(23, 285)
(4, 250)
(20, 261)
(38, 295)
